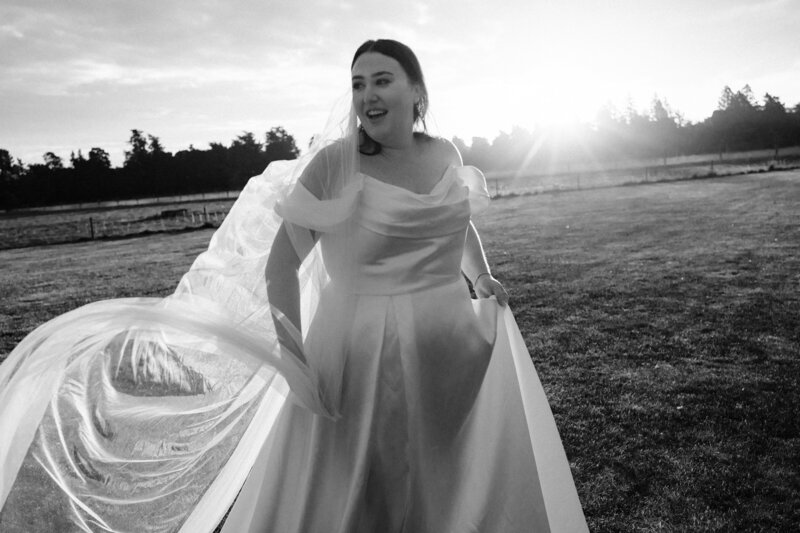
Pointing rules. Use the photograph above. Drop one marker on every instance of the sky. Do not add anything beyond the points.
(75, 74)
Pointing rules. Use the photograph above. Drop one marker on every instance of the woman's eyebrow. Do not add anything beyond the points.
(375, 75)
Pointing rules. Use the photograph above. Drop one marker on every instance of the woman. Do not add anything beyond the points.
(369, 394)
(401, 353)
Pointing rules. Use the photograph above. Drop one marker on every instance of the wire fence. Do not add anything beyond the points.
(589, 176)
(168, 220)
(35, 229)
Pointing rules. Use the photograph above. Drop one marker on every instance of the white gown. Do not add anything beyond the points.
(443, 427)
(419, 410)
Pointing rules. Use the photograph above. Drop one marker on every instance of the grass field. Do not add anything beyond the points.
(664, 321)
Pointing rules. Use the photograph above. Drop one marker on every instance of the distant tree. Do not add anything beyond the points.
(154, 145)
(247, 143)
(636, 141)
(246, 158)
(11, 173)
(93, 175)
(148, 167)
(217, 173)
(735, 125)
(776, 123)
(663, 129)
(725, 98)
(738, 102)
(659, 111)
(280, 145)
(746, 97)
(99, 158)
(9, 169)
(76, 160)
(52, 161)
(500, 149)
(479, 154)
(137, 155)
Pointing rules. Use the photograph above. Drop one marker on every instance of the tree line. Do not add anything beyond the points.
(739, 123)
(148, 170)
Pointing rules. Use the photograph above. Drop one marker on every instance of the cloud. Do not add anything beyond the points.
(54, 48)
(86, 71)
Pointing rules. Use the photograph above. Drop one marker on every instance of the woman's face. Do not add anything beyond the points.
(384, 98)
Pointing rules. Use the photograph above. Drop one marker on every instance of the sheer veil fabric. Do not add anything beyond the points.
(150, 414)
(146, 414)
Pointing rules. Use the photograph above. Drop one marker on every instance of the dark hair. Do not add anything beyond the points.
(410, 64)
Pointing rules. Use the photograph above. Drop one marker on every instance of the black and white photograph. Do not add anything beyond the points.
(346, 266)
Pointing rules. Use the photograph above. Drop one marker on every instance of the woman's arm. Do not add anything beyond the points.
(475, 266)
(283, 264)
(283, 289)
(474, 263)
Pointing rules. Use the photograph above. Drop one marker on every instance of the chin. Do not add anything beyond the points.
(377, 134)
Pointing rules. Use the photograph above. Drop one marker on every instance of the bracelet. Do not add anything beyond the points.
(479, 277)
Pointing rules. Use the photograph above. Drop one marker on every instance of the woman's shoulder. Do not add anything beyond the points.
(325, 166)
(441, 149)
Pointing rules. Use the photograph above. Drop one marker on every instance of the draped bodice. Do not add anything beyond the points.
(397, 241)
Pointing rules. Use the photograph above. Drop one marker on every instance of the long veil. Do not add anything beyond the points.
(146, 414)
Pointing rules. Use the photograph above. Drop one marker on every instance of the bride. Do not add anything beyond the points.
(323, 360)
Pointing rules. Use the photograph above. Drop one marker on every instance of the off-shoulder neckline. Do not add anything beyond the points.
(433, 190)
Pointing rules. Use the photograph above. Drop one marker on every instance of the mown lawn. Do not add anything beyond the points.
(664, 321)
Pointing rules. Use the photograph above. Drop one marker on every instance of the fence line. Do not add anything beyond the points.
(55, 228)
(183, 220)
(510, 182)
(132, 202)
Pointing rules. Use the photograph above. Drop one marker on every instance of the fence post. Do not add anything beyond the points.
(205, 214)
(91, 226)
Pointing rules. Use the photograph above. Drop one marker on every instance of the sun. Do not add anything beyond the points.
(554, 91)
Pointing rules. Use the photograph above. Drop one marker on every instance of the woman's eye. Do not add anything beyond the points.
(382, 82)
(357, 86)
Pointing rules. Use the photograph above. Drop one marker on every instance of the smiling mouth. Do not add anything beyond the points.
(374, 114)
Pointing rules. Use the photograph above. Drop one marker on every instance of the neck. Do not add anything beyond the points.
(405, 146)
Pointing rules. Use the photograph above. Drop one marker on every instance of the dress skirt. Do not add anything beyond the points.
(444, 428)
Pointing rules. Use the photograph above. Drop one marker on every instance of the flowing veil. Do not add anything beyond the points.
(146, 414)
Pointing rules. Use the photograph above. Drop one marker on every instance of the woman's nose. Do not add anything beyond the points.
(369, 94)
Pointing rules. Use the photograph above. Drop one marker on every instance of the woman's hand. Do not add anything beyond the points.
(486, 286)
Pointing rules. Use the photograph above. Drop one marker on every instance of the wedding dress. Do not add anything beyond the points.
(412, 407)
(444, 426)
